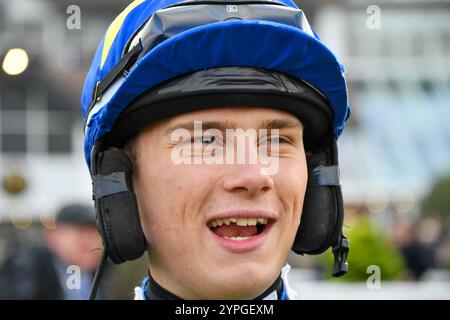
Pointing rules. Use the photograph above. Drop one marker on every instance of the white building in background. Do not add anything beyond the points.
(398, 68)
(396, 144)
(41, 133)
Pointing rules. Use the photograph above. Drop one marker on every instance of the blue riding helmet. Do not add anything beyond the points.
(153, 42)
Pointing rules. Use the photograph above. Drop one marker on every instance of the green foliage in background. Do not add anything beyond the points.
(368, 246)
(437, 202)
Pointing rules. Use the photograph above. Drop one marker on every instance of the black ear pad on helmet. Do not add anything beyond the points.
(323, 210)
(116, 206)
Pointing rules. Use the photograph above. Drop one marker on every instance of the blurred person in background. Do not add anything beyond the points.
(418, 242)
(61, 270)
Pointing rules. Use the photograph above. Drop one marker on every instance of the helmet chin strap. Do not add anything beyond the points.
(153, 291)
(98, 276)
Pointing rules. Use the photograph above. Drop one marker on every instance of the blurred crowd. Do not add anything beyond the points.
(70, 249)
(424, 244)
(57, 261)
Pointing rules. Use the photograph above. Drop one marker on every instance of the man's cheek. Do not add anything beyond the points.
(293, 201)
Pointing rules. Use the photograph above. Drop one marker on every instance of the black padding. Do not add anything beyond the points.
(117, 213)
(323, 212)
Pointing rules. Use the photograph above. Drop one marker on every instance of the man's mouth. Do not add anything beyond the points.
(241, 231)
(238, 228)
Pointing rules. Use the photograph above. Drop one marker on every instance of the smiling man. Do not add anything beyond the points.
(236, 224)
(211, 138)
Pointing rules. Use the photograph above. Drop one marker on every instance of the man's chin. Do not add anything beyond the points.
(244, 281)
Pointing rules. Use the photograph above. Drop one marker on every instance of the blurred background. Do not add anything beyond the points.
(394, 153)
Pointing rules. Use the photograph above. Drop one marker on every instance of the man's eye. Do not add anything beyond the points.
(205, 139)
(276, 140)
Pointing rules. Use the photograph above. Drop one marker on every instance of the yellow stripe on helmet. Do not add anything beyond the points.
(114, 28)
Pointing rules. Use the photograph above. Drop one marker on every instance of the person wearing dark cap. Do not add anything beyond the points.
(61, 270)
(76, 214)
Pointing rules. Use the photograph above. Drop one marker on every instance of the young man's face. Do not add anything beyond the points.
(191, 254)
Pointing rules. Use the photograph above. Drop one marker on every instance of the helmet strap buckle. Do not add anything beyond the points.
(340, 252)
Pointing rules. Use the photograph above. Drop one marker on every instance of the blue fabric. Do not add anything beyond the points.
(284, 293)
(144, 286)
(249, 43)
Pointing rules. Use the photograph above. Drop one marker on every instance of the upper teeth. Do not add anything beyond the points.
(239, 221)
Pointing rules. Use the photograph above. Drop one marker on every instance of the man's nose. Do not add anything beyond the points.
(248, 179)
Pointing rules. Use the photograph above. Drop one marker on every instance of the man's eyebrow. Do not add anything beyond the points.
(281, 124)
(205, 125)
(222, 125)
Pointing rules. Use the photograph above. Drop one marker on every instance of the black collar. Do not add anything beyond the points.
(154, 291)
